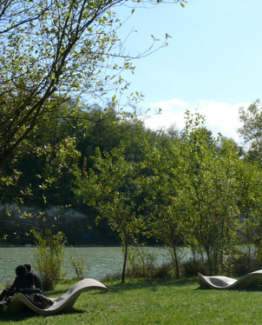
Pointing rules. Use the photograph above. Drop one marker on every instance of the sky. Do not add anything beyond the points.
(213, 61)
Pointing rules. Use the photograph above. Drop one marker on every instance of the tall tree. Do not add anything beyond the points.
(50, 52)
(249, 176)
(53, 52)
(112, 187)
(162, 190)
(251, 130)
(212, 194)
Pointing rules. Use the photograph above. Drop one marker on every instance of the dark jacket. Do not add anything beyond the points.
(21, 282)
(34, 279)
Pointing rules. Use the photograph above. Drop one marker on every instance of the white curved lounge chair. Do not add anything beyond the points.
(224, 283)
(63, 303)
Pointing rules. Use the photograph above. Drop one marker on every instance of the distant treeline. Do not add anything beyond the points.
(89, 129)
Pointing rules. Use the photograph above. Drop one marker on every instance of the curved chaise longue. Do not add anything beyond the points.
(224, 283)
(64, 303)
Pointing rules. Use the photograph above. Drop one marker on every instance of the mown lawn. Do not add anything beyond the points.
(158, 302)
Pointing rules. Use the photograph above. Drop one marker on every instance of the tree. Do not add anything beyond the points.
(249, 177)
(51, 52)
(112, 187)
(192, 194)
(251, 130)
(162, 191)
(105, 130)
(212, 194)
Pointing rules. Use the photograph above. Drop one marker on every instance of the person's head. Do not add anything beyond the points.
(21, 270)
(28, 267)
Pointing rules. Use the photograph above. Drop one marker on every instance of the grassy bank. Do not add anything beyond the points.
(158, 302)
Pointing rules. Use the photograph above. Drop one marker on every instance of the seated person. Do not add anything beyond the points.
(33, 278)
(21, 282)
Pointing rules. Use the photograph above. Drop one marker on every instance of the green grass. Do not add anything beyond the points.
(158, 302)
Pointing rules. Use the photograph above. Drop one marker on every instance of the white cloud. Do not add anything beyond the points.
(163, 105)
(165, 120)
(178, 102)
(220, 117)
(169, 104)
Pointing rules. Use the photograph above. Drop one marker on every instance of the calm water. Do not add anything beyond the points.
(102, 260)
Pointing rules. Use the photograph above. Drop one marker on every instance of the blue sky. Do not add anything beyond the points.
(213, 61)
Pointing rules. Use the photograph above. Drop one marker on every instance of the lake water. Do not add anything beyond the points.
(102, 260)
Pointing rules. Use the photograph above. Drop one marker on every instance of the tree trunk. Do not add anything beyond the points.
(176, 261)
(248, 257)
(125, 259)
(209, 258)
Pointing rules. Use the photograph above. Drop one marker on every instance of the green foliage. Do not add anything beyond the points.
(52, 56)
(141, 262)
(189, 189)
(112, 188)
(49, 257)
(192, 267)
(79, 263)
(192, 195)
(111, 277)
(163, 205)
(50, 176)
(251, 130)
(44, 50)
(212, 200)
(179, 188)
(249, 182)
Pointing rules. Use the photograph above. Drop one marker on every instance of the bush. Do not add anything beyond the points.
(242, 263)
(141, 263)
(79, 264)
(49, 257)
(163, 271)
(112, 277)
(176, 259)
(192, 267)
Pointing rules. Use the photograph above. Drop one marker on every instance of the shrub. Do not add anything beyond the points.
(49, 257)
(176, 259)
(163, 271)
(79, 264)
(112, 277)
(192, 267)
(141, 263)
(242, 263)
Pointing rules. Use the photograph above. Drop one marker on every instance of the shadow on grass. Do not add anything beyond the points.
(23, 316)
(142, 284)
(6, 317)
(249, 289)
(131, 284)
(253, 288)
(185, 282)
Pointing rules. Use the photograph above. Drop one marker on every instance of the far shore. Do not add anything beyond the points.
(75, 246)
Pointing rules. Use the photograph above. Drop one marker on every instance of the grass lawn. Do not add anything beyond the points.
(158, 302)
